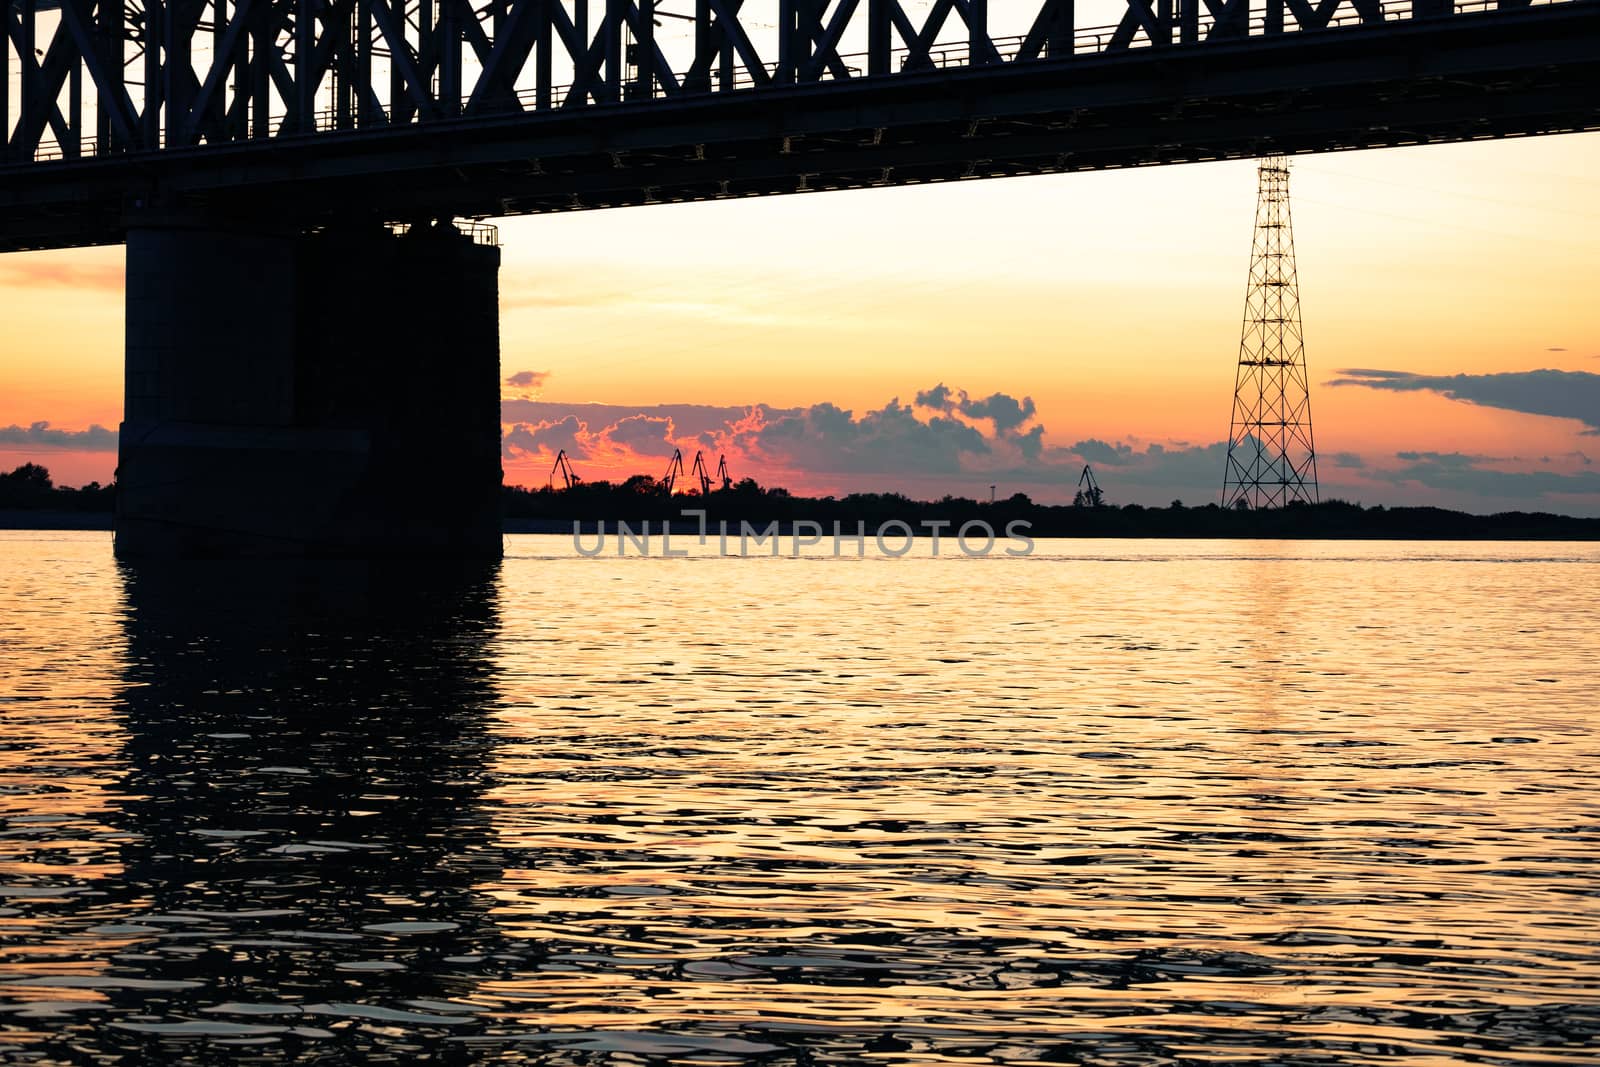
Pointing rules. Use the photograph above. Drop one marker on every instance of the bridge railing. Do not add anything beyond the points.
(479, 233)
(71, 71)
(1086, 41)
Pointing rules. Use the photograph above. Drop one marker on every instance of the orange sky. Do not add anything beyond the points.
(1112, 300)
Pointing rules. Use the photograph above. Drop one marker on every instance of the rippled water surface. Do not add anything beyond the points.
(1117, 802)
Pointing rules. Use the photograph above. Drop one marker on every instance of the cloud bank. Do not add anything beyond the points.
(1476, 475)
(42, 435)
(950, 441)
(528, 379)
(945, 441)
(1557, 393)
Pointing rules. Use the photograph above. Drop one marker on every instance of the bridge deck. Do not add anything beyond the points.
(1175, 87)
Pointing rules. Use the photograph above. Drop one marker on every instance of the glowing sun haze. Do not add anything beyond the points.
(939, 339)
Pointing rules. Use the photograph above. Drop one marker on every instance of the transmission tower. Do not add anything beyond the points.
(1271, 458)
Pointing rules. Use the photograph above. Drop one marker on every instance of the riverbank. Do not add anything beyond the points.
(50, 519)
(1313, 523)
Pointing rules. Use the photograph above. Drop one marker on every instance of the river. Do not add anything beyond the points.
(1108, 802)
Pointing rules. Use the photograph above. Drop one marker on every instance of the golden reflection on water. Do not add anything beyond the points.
(1114, 802)
(59, 774)
(1047, 788)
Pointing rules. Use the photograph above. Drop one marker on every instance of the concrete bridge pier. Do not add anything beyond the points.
(309, 395)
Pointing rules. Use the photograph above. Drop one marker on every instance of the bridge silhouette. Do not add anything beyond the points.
(284, 173)
(319, 111)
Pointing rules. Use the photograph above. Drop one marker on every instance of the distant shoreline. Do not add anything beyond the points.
(786, 531)
(28, 519)
(29, 500)
(1513, 526)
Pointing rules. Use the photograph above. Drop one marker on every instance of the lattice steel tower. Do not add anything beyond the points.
(1271, 458)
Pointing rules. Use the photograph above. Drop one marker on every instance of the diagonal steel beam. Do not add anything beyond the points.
(826, 53)
(980, 46)
(1138, 15)
(662, 69)
(1051, 32)
(112, 95)
(918, 57)
(402, 56)
(728, 21)
(513, 41)
(222, 61)
(41, 84)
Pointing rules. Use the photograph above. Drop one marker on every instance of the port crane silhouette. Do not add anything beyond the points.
(700, 472)
(563, 466)
(674, 470)
(1089, 494)
(703, 473)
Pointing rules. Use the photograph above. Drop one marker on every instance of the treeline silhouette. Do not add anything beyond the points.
(29, 488)
(642, 498)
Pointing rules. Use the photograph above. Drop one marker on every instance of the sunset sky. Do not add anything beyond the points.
(1072, 318)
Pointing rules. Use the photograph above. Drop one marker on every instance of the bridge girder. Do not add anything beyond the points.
(318, 111)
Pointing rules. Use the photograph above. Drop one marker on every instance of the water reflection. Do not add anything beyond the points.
(577, 811)
(301, 819)
(61, 770)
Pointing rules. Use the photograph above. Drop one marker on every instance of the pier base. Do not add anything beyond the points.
(334, 394)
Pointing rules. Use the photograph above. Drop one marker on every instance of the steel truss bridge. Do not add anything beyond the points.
(312, 113)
